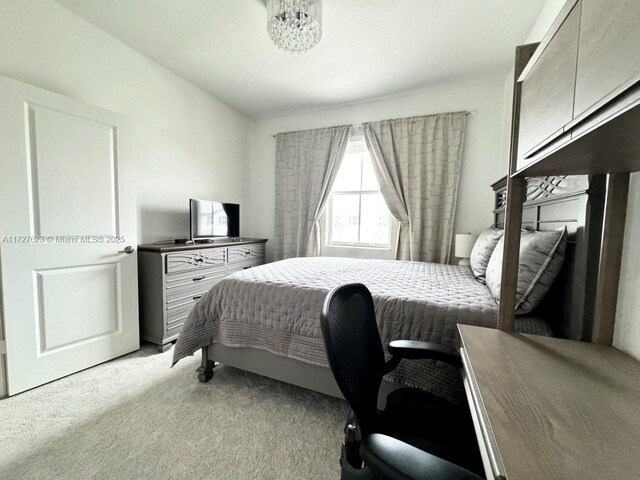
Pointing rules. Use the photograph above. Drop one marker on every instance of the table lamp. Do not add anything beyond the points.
(463, 246)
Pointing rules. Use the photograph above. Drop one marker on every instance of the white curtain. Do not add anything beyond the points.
(307, 163)
(417, 163)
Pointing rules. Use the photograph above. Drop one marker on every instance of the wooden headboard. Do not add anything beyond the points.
(576, 202)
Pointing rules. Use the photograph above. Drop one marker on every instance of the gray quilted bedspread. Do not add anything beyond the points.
(276, 307)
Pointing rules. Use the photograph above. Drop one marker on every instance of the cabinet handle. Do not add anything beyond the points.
(244, 268)
(128, 250)
(197, 279)
(197, 297)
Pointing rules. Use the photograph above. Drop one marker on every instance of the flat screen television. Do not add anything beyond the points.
(211, 219)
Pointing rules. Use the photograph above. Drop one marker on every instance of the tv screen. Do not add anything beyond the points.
(210, 219)
(233, 219)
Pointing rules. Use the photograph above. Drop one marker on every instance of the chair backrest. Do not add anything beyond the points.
(354, 349)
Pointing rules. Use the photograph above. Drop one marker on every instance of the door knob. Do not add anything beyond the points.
(128, 250)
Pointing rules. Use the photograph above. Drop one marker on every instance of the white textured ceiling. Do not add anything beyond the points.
(369, 48)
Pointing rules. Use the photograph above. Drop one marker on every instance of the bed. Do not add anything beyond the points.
(266, 319)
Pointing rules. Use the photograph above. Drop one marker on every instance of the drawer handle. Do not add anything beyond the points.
(197, 297)
(197, 279)
(245, 268)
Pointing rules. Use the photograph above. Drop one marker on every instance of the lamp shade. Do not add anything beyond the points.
(464, 244)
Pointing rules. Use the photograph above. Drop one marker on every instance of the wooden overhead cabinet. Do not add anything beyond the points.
(546, 105)
(600, 136)
(581, 91)
(609, 55)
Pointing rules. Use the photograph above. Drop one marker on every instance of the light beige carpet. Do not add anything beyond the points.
(135, 418)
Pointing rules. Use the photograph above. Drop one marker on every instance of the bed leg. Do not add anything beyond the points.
(205, 371)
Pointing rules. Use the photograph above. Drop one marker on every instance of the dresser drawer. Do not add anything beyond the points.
(192, 277)
(179, 310)
(180, 285)
(190, 291)
(244, 253)
(239, 267)
(195, 259)
(176, 316)
(180, 305)
(174, 328)
(190, 295)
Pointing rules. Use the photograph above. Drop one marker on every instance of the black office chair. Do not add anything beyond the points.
(418, 435)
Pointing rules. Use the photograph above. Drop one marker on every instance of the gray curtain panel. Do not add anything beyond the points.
(306, 166)
(417, 163)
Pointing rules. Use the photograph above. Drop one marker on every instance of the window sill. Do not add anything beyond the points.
(359, 247)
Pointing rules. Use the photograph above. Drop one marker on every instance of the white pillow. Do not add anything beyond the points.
(541, 258)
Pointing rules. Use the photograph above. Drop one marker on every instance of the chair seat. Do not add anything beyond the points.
(432, 424)
(416, 398)
(413, 412)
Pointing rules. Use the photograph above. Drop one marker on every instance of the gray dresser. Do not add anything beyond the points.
(173, 277)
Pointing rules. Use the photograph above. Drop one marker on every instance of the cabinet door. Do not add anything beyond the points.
(609, 55)
(546, 103)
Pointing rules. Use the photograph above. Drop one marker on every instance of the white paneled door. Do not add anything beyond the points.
(67, 216)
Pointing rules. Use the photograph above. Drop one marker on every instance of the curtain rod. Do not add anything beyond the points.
(471, 112)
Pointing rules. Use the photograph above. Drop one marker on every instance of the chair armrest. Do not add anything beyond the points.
(412, 349)
(391, 459)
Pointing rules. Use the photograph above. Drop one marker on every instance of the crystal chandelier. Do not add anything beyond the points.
(295, 25)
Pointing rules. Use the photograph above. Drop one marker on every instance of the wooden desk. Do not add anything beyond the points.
(546, 408)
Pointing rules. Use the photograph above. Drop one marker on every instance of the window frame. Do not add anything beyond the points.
(329, 214)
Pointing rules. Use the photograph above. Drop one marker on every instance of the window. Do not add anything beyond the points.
(357, 214)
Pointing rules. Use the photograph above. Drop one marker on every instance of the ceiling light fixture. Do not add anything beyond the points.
(295, 25)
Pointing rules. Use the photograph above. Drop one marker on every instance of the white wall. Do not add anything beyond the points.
(627, 331)
(187, 142)
(481, 163)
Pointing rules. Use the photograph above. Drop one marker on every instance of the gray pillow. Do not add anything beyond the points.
(541, 257)
(482, 250)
